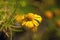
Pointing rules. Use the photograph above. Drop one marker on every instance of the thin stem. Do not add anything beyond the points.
(11, 35)
(35, 36)
(6, 33)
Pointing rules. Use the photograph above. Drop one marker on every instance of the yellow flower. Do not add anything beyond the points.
(19, 18)
(31, 21)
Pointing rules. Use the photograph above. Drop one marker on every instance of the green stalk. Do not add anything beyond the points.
(35, 36)
(10, 35)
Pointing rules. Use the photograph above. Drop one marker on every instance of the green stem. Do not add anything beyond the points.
(35, 36)
(10, 35)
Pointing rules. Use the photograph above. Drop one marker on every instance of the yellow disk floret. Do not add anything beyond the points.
(30, 16)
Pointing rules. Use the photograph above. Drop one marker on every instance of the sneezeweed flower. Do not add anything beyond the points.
(29, 20)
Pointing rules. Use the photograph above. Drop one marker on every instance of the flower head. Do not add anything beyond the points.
(31, 21)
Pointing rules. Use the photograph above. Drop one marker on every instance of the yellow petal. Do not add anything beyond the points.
(38, 19)
(23, 23)
(29, 24)
(37, 16)
(35, 23)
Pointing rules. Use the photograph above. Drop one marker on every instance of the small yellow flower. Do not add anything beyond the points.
(31, 21)
(19, 18)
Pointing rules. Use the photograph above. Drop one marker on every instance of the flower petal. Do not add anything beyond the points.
(37, 16)
(35, 23)
(29, 24)
(23, 23)
(39, 19)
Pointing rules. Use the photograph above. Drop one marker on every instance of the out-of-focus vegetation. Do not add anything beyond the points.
(46, 27)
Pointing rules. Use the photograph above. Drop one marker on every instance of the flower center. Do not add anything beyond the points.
(30, 16)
